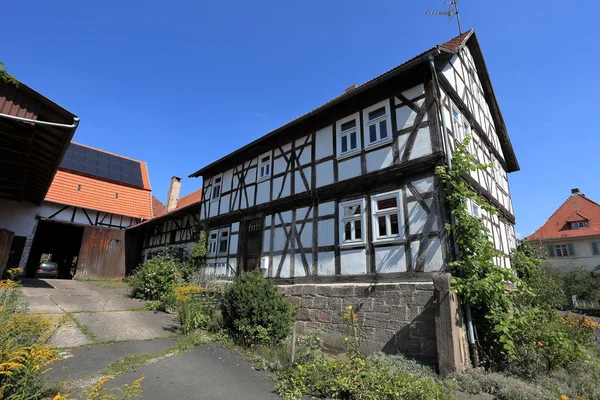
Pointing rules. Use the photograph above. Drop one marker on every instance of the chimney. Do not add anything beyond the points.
(351, 88)
(173, 195)
(575, 192)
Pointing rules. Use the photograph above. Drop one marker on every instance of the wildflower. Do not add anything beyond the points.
(564, 397)
(321, 318)
(540, 343)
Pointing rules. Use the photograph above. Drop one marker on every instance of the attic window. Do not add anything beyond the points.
(79, 187)
(116, 195)
(578, 225)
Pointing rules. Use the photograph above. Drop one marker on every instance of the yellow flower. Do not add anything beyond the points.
(349, 308)
(564, 397)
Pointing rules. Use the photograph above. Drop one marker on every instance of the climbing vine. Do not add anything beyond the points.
(200, 250)
(477, 278)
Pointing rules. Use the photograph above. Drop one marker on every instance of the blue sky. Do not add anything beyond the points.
(182, 83)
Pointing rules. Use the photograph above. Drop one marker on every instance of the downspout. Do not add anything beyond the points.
(446, 140)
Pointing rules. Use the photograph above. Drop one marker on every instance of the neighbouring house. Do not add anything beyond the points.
(80, 224)
(35, 133)
(341, 205)
(571, 236)
(175, 225)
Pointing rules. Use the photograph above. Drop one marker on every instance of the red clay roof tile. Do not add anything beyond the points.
(576, 208)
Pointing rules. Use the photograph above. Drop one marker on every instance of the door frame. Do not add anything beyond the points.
(243, 235)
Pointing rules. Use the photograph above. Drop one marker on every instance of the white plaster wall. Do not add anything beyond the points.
(353, 262)
(326, 263)
(583, 255)
(380, 159)
(390, 259)
(18, 217)
(349, 168)
(324, 173)
(434, 259)
(326, 232)
(262, 196)
(324, 142)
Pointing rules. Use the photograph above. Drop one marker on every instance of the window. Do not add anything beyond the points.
(114, 243)
(561, 250)
(216, 188)
(475, 209)
(595, 248)
(348, 133)
(264, 170)
(377, 123)
(578, 225)
(386, 216)
(212, 242)
(458, 132)
(223, 240)
(352, 221)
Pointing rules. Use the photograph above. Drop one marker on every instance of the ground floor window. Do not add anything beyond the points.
(352, 221)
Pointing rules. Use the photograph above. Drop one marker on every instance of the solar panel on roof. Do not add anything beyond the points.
(103, 165)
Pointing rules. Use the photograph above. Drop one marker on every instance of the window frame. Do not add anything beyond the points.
(262, 164)
(353, 218)
(388, 122)
(577, 225)
(220, 240)
(212, 242)
(388, 212)
(338, 129)
(457, 124)
(212, 187)
(562, 246)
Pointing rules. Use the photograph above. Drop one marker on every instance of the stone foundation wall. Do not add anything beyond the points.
(394, 317)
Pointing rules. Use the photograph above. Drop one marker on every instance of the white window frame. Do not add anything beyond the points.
(578, 225)
(338, 129)
(353, 219)
(224, 231)
(564, 250)
(457, 124)
(265, 168)
(387, 117)
(387, 213)
(213, 240)
(213, 185)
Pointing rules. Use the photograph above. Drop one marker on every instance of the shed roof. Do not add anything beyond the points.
(30, 153)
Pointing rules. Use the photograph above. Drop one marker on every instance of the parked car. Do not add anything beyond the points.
(47, 270)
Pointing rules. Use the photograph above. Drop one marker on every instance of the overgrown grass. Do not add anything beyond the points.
(129, 363)
(83, 328)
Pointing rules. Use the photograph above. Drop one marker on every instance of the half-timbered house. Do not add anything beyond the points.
(176, 227)
(346, 194)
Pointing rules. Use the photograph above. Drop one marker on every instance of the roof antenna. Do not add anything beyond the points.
(450, 12)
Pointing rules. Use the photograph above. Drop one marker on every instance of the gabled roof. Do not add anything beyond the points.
(158, 208)
(448, 48)
(185, 203)
(576, 208)
(95, 193)
(189, 199)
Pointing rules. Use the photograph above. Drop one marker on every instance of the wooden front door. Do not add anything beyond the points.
(253, 244)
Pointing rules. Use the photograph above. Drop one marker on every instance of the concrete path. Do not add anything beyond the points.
(94, 312)
(205, 372)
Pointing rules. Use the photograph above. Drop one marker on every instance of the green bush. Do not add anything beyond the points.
(500, 386)
(399, 364)
(254, 312)
(582, 283)
(358, 378)
(155, 278)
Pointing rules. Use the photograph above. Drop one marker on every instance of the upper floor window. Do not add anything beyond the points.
(387, 217)
(457, 125)
(216, 187)
(561, 250)
(578, 225)
(264, 169)
(377, 123)
(352, 221)
(348, 133)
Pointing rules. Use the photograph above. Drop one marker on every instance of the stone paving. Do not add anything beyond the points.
(91, 314)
